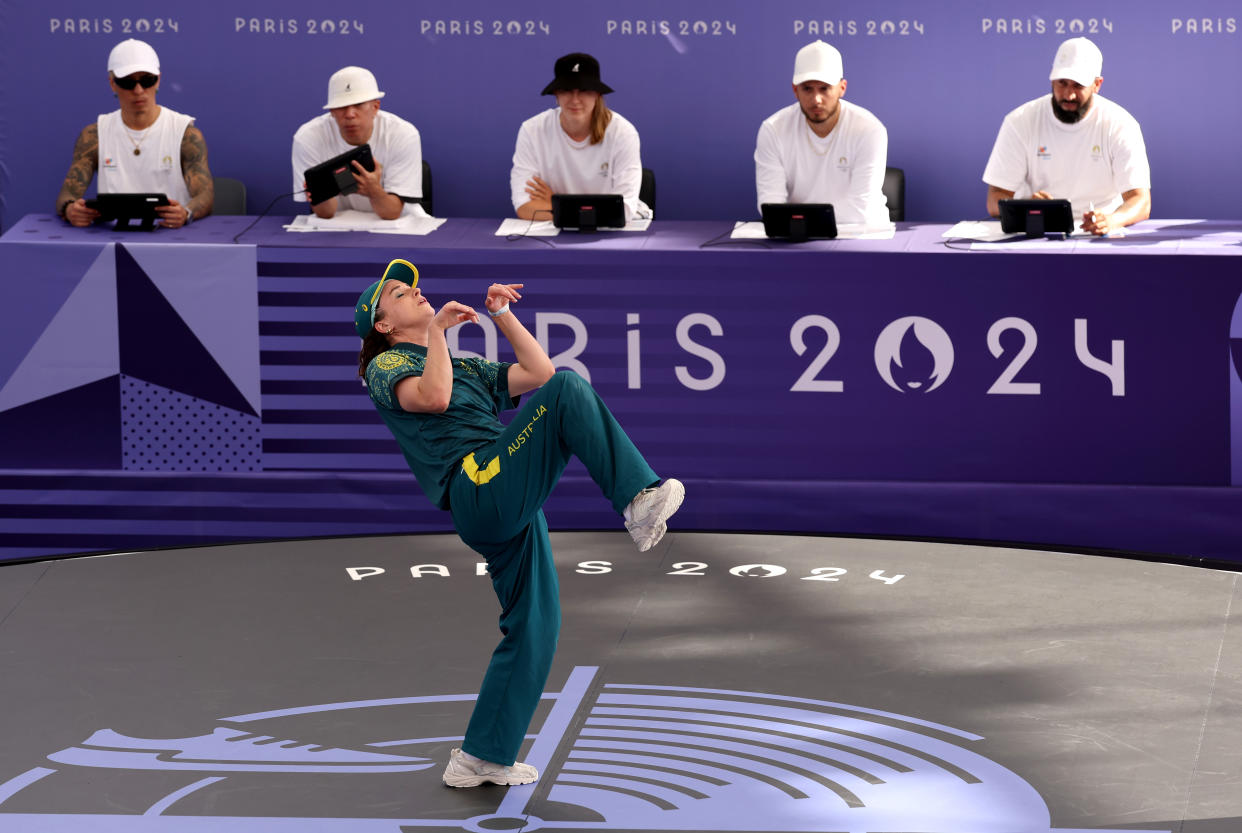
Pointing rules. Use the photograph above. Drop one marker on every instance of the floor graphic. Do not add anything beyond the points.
(747, 683)
(645, 758)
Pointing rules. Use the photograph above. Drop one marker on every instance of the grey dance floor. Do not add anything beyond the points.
(720, 682)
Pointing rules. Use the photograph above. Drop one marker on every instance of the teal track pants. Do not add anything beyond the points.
(496, 500)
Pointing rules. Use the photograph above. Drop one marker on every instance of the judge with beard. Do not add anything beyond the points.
(1074, 144)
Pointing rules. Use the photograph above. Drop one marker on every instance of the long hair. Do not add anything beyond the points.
(374, 344)
(600, 117)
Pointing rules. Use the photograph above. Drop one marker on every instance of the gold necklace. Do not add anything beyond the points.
(138, 144)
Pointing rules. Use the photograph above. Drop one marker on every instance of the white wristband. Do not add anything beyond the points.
(498, 312)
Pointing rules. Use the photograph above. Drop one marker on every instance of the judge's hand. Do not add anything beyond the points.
(540, 194)
(1098, 223)
(79, 215)
(539, 190)
(172, 215)
(370, 183)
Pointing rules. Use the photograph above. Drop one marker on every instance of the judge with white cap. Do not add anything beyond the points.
(1076, 145)
(141, 147)
(822, 148)
(354, 118)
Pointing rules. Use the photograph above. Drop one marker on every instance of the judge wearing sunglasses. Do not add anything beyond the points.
(139, 148)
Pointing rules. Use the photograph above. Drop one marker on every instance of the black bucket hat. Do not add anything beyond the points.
(576, 71)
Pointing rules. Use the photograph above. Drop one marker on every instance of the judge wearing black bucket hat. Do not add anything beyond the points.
(579, 147)
(576, 71)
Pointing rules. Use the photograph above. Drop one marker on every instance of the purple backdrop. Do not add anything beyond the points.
(696, 79)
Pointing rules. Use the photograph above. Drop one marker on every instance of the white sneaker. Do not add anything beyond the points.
(647, 515)
(460, 772)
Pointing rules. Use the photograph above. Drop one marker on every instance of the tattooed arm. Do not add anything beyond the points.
(69, 203)
(197, 175)
(197, 180)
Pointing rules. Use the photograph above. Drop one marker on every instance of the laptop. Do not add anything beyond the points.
(1035, 218)
(587, 212)
(799, 220)
(128, 208)
(327, 179)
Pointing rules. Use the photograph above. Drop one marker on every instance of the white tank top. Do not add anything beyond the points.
(157, 166)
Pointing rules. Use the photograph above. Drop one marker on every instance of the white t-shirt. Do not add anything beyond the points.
(545, 150)
(1089, 163)
(845, 168)
(395, 145)
(156, 169)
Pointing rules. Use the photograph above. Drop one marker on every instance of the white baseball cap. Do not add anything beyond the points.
(818, 62)
(130, 56)
(1079, 60)
(351, 85)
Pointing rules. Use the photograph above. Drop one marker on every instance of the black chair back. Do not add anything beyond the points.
(646, 191)
(426, 199)
(230, 195)
(894, 190)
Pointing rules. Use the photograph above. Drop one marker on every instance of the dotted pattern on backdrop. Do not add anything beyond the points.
(165, 430)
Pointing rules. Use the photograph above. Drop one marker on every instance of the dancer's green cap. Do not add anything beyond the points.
(364, 310)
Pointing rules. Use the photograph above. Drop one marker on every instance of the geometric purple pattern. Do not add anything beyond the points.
(165, 430)
(146, 318)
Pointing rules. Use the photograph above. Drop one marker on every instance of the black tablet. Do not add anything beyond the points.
(327, 179)
(587, 212)
(1035, 218)
(127, 209)
(799, 220)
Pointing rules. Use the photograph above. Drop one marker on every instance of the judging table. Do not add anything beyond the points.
(911, 386)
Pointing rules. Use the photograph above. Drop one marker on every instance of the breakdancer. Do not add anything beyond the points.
(443, 412)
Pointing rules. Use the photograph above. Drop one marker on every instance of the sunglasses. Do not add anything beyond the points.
(129, 82)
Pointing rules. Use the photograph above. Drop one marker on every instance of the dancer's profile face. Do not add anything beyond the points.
(404, 306)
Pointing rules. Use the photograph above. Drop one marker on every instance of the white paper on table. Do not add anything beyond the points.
(309, 222)
(410, 222)
(748, 231)
(976, 230)
(753, 230)
(515, 227)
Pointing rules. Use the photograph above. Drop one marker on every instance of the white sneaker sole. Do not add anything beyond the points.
(677, 493)
(480, 780)
(460, 774)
